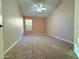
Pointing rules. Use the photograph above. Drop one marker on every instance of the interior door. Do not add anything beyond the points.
(76, 42)
(1, 31)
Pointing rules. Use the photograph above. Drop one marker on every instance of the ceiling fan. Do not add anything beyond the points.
(39, 6)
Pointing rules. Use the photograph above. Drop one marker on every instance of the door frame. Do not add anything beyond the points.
(76, 18)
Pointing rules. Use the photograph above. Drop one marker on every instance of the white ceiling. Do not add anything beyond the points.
(26, 7)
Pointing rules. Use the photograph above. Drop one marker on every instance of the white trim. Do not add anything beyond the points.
(37, 34)
(60, 38)
(77, 52)
(1, 44)
(12, 45)
(76, 49)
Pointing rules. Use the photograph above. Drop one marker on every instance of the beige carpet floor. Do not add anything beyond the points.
(41, 47)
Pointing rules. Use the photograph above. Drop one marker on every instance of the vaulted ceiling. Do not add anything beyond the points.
(26, 7)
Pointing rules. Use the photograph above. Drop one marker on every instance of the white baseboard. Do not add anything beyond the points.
(37, 34)
(60, 38)
(12, 45)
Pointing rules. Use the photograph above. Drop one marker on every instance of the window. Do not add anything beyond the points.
(28, 23)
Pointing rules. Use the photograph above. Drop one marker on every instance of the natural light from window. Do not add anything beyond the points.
(28, 24)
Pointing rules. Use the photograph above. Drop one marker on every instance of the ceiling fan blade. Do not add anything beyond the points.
(44, 8)
(35, 5)
(39, 10)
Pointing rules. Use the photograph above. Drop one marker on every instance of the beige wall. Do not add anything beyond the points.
(38, 25)
(13, 23)
(61, 22)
